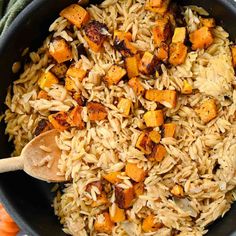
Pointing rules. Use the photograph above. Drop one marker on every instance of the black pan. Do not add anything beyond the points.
(28, 200)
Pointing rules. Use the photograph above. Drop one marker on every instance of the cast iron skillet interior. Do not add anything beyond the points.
(29, 200)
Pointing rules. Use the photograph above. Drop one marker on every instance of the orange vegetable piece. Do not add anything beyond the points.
(114, 75)
(207, 110)
(75, 14)
(178, 191)
(163, 52)
(154, 118)
(43, 126)
(59, 70)
(187, 88)
(178, 53)
(161, 10)
(112, 177)
(60, 50)
(150, 225)
(103, 223)
(233, 52)
(208, 22)
(124, 197)
(96, 111)
(201, 38)
(75, 71)
(158, 153)
(139, 189)
(162, 31)
(147, 63)
(59, 120)
(134, 172)
(132, 66)
(144, 143)
(47, 79)
(169, 130)
(156, 3)
(117, 215)
(101, 200)
(136, 85)
(43, 95)
(75, 118)
(179, 35)
(155, 136)
(167, 98)
(121, 35)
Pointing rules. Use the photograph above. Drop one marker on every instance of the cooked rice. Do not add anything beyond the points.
(106, 146)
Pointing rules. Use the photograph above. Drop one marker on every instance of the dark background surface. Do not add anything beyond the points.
(29, 200)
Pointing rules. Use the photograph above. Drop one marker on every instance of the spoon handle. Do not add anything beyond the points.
(11, 164)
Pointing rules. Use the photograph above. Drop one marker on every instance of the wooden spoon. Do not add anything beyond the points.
(39, 158)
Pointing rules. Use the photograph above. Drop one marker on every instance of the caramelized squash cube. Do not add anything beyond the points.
(103, 224)
(207, 111)
(139, 189)
(60, 50)
(144, 143)
(136, 85)
(178, 53)
(59, 70)
(155, 136)
(150, 225)
(179, 35)
(163, 52)
(154, 118)
(75, 118)
(201, 38)
(101, 200)
(160, 10)
(43, 95)
(47, 79)
(59, 120)
(76, 72)
(43, 126)
(124, 106)
(147, 63)
(124, 197)
(75, 14)
(112, 177)
(155, 3)
(114, 75)
(96, 111)
(177, 191)
(208, 22)
(121, 35)
(117, 214)
(233, 52)
(70, 85)
(132, 66)
(158, 153)
(134, 172)
(168, 98)
(169, 130)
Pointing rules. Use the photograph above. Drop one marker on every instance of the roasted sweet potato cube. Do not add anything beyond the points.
(179, 35)
(177, 191)
(207, 110)
(139, 189)
(43, 126)
(163, 52)
(201, 38)
(59, 70)
(75, 71)
(162, 31)
(122, 43)
(131, 64)
(124, 106)
(78, 98)
(156, 3)
(233, 52)
(144, 143)
(95, 34)
(187, 88)
(75, 14)
(70, 85)
(59, 120)
(150, 225)
(121, 35)
(47, 79)
(178, 53)
(103, 224)
(168, 98)
(169, 130)
(161, 10)
(43, 95)
(136, 85)
(60, 50)
(158, 153)
(208, 22)
(147, 63)
(155, 136)
(75, 118)
(112, 177)
(154, 118)
(114, 75)
(96, 111)
(124, 197)
(117, 215)
(134, 172)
